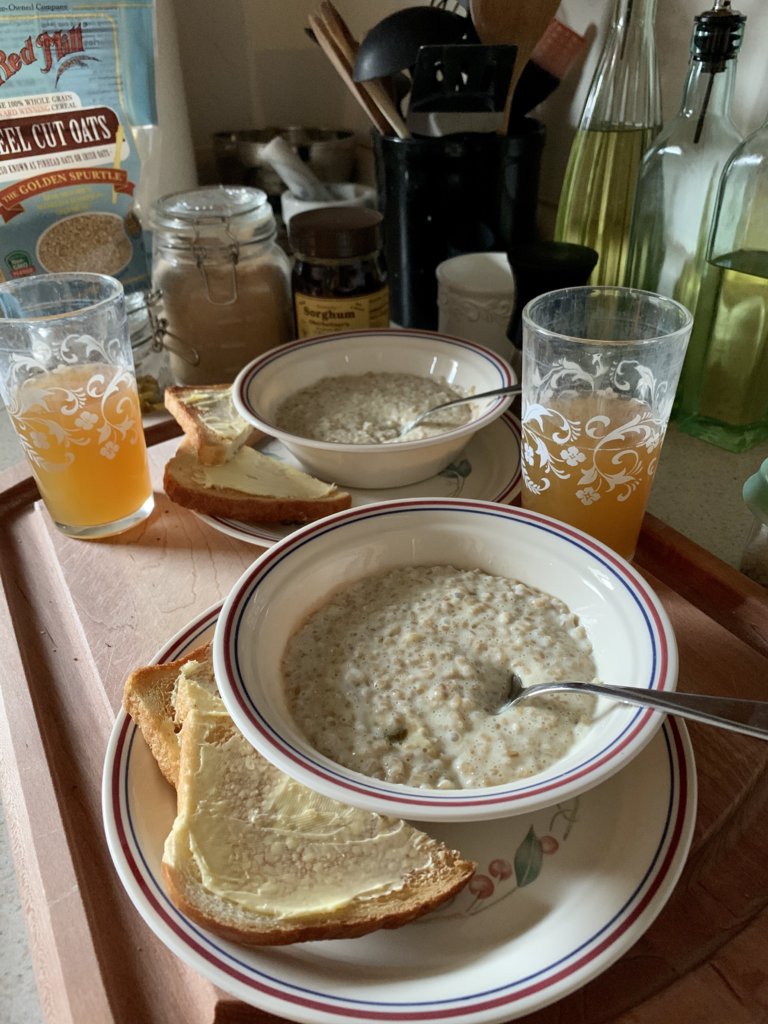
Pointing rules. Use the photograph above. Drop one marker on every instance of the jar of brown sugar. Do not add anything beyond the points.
(338, 281)
(223, 281)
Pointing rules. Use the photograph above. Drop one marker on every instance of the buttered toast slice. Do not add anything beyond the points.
(260, 859)
(251, 487)
(150, 698)
(207, 415)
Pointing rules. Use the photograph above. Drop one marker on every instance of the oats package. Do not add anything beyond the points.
(78, 127)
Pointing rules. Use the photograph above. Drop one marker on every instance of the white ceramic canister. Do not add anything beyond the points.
(475, 298)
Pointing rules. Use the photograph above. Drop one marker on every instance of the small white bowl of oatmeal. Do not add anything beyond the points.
(338, 402)
(366, 655)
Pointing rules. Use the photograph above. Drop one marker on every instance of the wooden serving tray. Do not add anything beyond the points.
(76, 617)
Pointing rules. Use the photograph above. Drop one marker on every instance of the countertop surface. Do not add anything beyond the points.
(697, 491)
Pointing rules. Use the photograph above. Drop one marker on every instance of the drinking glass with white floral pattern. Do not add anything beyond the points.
(600, 369)
(68, 382)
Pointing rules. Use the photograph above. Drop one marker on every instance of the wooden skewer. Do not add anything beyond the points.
(372, 96)
(331, 51)
(384, 102)
(333, 20)
(376, 89)
(340, 31)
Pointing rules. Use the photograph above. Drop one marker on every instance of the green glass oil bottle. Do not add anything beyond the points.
(679, 174)
(724, 399)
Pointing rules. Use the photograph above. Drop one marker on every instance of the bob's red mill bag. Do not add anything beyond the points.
(77, 125)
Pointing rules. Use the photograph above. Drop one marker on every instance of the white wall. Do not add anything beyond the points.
(249, 64)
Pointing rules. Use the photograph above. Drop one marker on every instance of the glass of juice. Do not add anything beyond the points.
(68, 382)
(600, 369)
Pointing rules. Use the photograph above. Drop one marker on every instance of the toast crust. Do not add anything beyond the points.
(181, 487)
(148, 697)
(357, 920)
(212, 447)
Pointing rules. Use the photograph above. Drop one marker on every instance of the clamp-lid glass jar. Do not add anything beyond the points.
(339, 282)
(223, 281)
(150, 359)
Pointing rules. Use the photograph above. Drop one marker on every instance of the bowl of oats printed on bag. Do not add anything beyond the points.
(92, 242)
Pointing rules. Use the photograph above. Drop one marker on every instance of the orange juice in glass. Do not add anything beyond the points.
(600, 368)
(68, 382)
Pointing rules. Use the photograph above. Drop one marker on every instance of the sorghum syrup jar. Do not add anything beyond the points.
(223, 282)
(338, 281)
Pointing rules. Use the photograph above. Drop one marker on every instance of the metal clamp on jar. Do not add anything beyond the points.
(150, 360)
(223, 281)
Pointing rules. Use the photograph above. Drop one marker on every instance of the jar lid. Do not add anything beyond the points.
(335, 232)
(217, 214)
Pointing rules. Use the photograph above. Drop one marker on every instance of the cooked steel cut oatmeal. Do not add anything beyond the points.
(369, 408)
(398, 676)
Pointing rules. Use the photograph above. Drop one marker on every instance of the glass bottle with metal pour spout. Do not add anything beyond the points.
(725, 397)
(678, 178)
(621, 117)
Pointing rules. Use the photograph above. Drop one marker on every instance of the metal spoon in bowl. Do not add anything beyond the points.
(746, 716)
(509, 389)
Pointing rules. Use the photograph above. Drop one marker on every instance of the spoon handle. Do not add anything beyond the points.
(745, 716)
(508, 389)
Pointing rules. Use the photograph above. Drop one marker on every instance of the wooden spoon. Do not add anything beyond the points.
(514, 22)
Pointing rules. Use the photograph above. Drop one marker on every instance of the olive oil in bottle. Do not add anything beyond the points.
(723, 397)
(621, 116)
(732, 402)
(596, 201)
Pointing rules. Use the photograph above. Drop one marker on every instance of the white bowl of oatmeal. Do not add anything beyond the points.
(338, 401)
(365, 655)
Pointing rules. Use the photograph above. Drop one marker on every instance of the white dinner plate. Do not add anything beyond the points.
(489, 469)
(558, 896)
